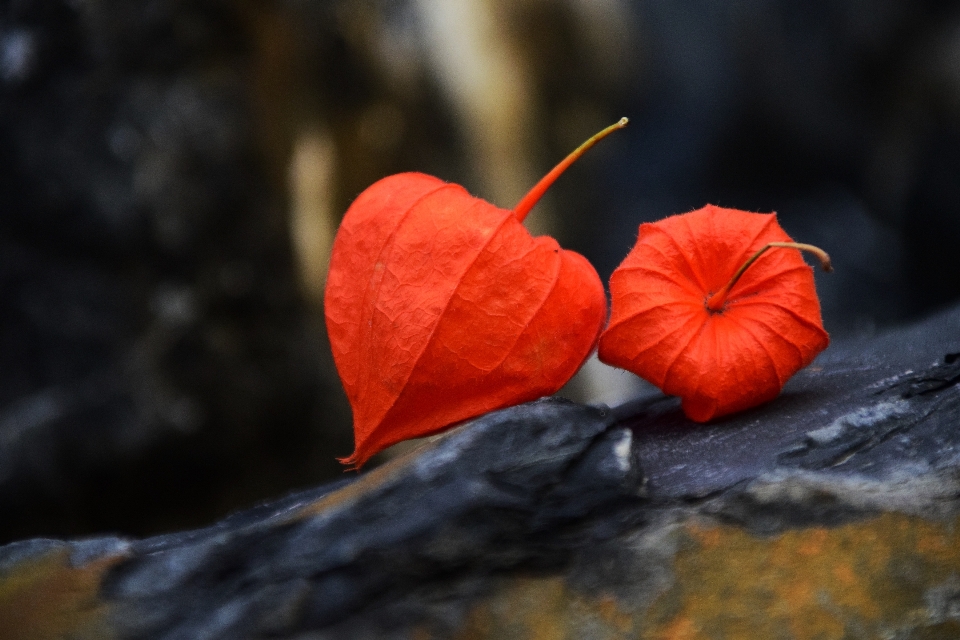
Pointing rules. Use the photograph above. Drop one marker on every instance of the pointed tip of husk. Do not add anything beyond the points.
(352, 462)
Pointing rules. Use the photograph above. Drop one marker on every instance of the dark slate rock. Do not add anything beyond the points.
(471, 499)
(590, 496)
(848, 412)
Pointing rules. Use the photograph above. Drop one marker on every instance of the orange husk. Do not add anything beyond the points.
(663, 326)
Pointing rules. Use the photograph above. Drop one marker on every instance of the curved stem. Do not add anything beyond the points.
(534, 195)
(717, 300)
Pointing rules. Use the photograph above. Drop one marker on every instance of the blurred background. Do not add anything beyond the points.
(172, 173)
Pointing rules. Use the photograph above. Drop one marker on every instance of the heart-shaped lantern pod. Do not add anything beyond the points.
(441, 306)
(702, 309)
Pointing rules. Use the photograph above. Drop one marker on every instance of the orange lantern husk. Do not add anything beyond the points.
(441, 306)
(703, 310)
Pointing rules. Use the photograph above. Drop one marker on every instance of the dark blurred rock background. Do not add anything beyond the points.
(172, 173)
(157, 362)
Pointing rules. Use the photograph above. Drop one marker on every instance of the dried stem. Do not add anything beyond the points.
(534, 195)
(717, 300)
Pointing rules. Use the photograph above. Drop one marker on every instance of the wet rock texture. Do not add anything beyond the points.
(831, 512)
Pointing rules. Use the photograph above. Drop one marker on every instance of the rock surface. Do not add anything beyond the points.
(831, 512)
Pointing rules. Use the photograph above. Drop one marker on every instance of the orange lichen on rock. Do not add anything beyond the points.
(808, 584)
(49, 598)
(875, 578)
